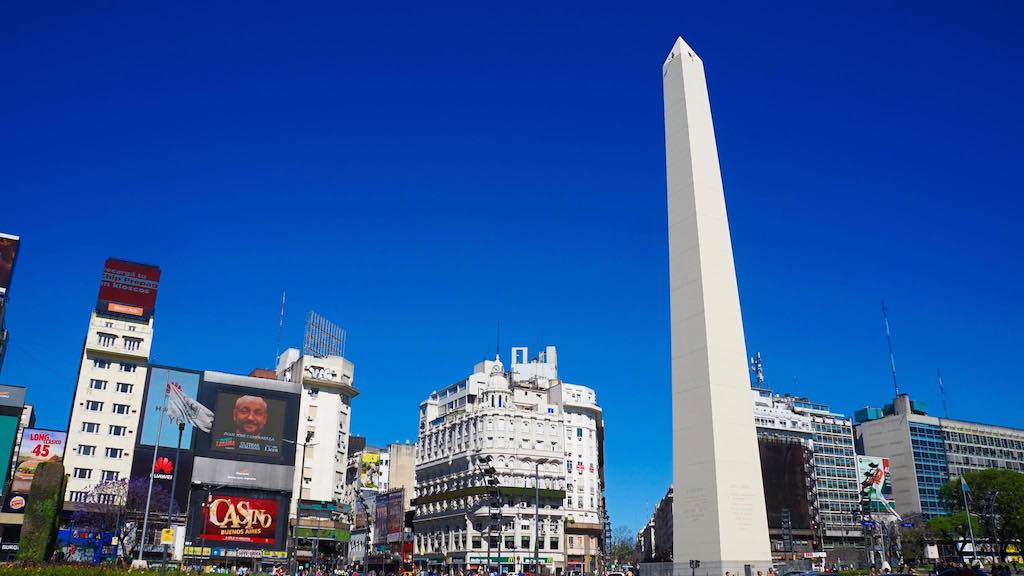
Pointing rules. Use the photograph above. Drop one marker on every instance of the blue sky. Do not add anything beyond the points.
(419, 172)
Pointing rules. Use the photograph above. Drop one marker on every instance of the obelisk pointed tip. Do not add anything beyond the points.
(681, 49)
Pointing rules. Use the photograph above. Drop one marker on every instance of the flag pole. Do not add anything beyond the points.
(149, 492)
(970, 528)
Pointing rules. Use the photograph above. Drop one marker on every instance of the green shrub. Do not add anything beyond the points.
(42, 514)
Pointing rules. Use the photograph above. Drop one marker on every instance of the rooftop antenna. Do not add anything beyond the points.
(757, 367)
(280, 330)
(888, 337)
(942, 393)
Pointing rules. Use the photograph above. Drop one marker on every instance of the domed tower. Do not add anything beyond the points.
(496, 392)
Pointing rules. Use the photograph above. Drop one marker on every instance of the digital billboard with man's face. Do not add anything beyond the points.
(248, 424)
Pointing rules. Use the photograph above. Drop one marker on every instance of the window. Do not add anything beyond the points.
(120, 408)
(95, 384)
(93, 405)
(86, 450)
(510, 542)
(77, 496)
(131, 328)
(105, 339)
(579, 433)
(114, 452)
(128, 367)
(477, 544)
(84, 473)
(91, 427)
(125, 387)
(132, 343)
(525, 541)
(109, 475)
(96, 363)
(554, 544)
(118, 430)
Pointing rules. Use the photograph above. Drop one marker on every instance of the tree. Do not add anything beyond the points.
(118, 506)
(913, 541)
(42, 514)
(996, 495)
(623, 546)
(953, 531)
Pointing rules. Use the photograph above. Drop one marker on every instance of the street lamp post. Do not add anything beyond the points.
(295, 527)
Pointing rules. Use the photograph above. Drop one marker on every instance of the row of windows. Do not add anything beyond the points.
(981, 440)
(105, 475)
(110, 340)
(89, 450)
(113, 430)
(97, 406)
(106, 364)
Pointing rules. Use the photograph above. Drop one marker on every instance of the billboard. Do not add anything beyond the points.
(12, 397)
(37, 446)
(128, 288)
(243, 474)
(157, 381)
(248, 423)
(369, 470)
(396, 513)
(389, 515)
(255, 419)
(875, 484)
(8, 254)
(163, 470)
(238, 518)
(786, 475)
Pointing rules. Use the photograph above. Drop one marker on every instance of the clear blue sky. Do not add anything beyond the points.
(419, 172)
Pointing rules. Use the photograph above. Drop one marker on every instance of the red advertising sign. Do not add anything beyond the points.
(240, 519)
(128, 287)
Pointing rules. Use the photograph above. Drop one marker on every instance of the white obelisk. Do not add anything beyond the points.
(718, 511)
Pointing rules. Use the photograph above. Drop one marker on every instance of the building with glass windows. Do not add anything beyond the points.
(926, 451)
(829, 436)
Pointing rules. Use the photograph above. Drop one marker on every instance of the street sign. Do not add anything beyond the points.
(167, 536)
(906, 524)
(814, 554)
(868, 524)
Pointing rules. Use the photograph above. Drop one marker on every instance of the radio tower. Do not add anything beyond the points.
(888, 337)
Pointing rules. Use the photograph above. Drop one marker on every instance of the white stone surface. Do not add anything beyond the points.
(719, 510)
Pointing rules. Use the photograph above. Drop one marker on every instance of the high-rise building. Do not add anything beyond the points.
(719, 502)
(488, 446)
(373, 471)
(828, 436)
(8, 255)
(325, 412)
(926, 451)
(111, 382)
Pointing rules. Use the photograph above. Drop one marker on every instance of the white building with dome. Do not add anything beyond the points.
(531, 425)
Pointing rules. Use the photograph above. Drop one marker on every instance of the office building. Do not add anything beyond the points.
(516, 433)
(828, 437)
(926, 451)
(108, 395)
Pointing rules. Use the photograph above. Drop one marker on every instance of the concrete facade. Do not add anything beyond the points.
(328, 387)
(926, 451)
(719, 505)
(528, 421)
(108, 397)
